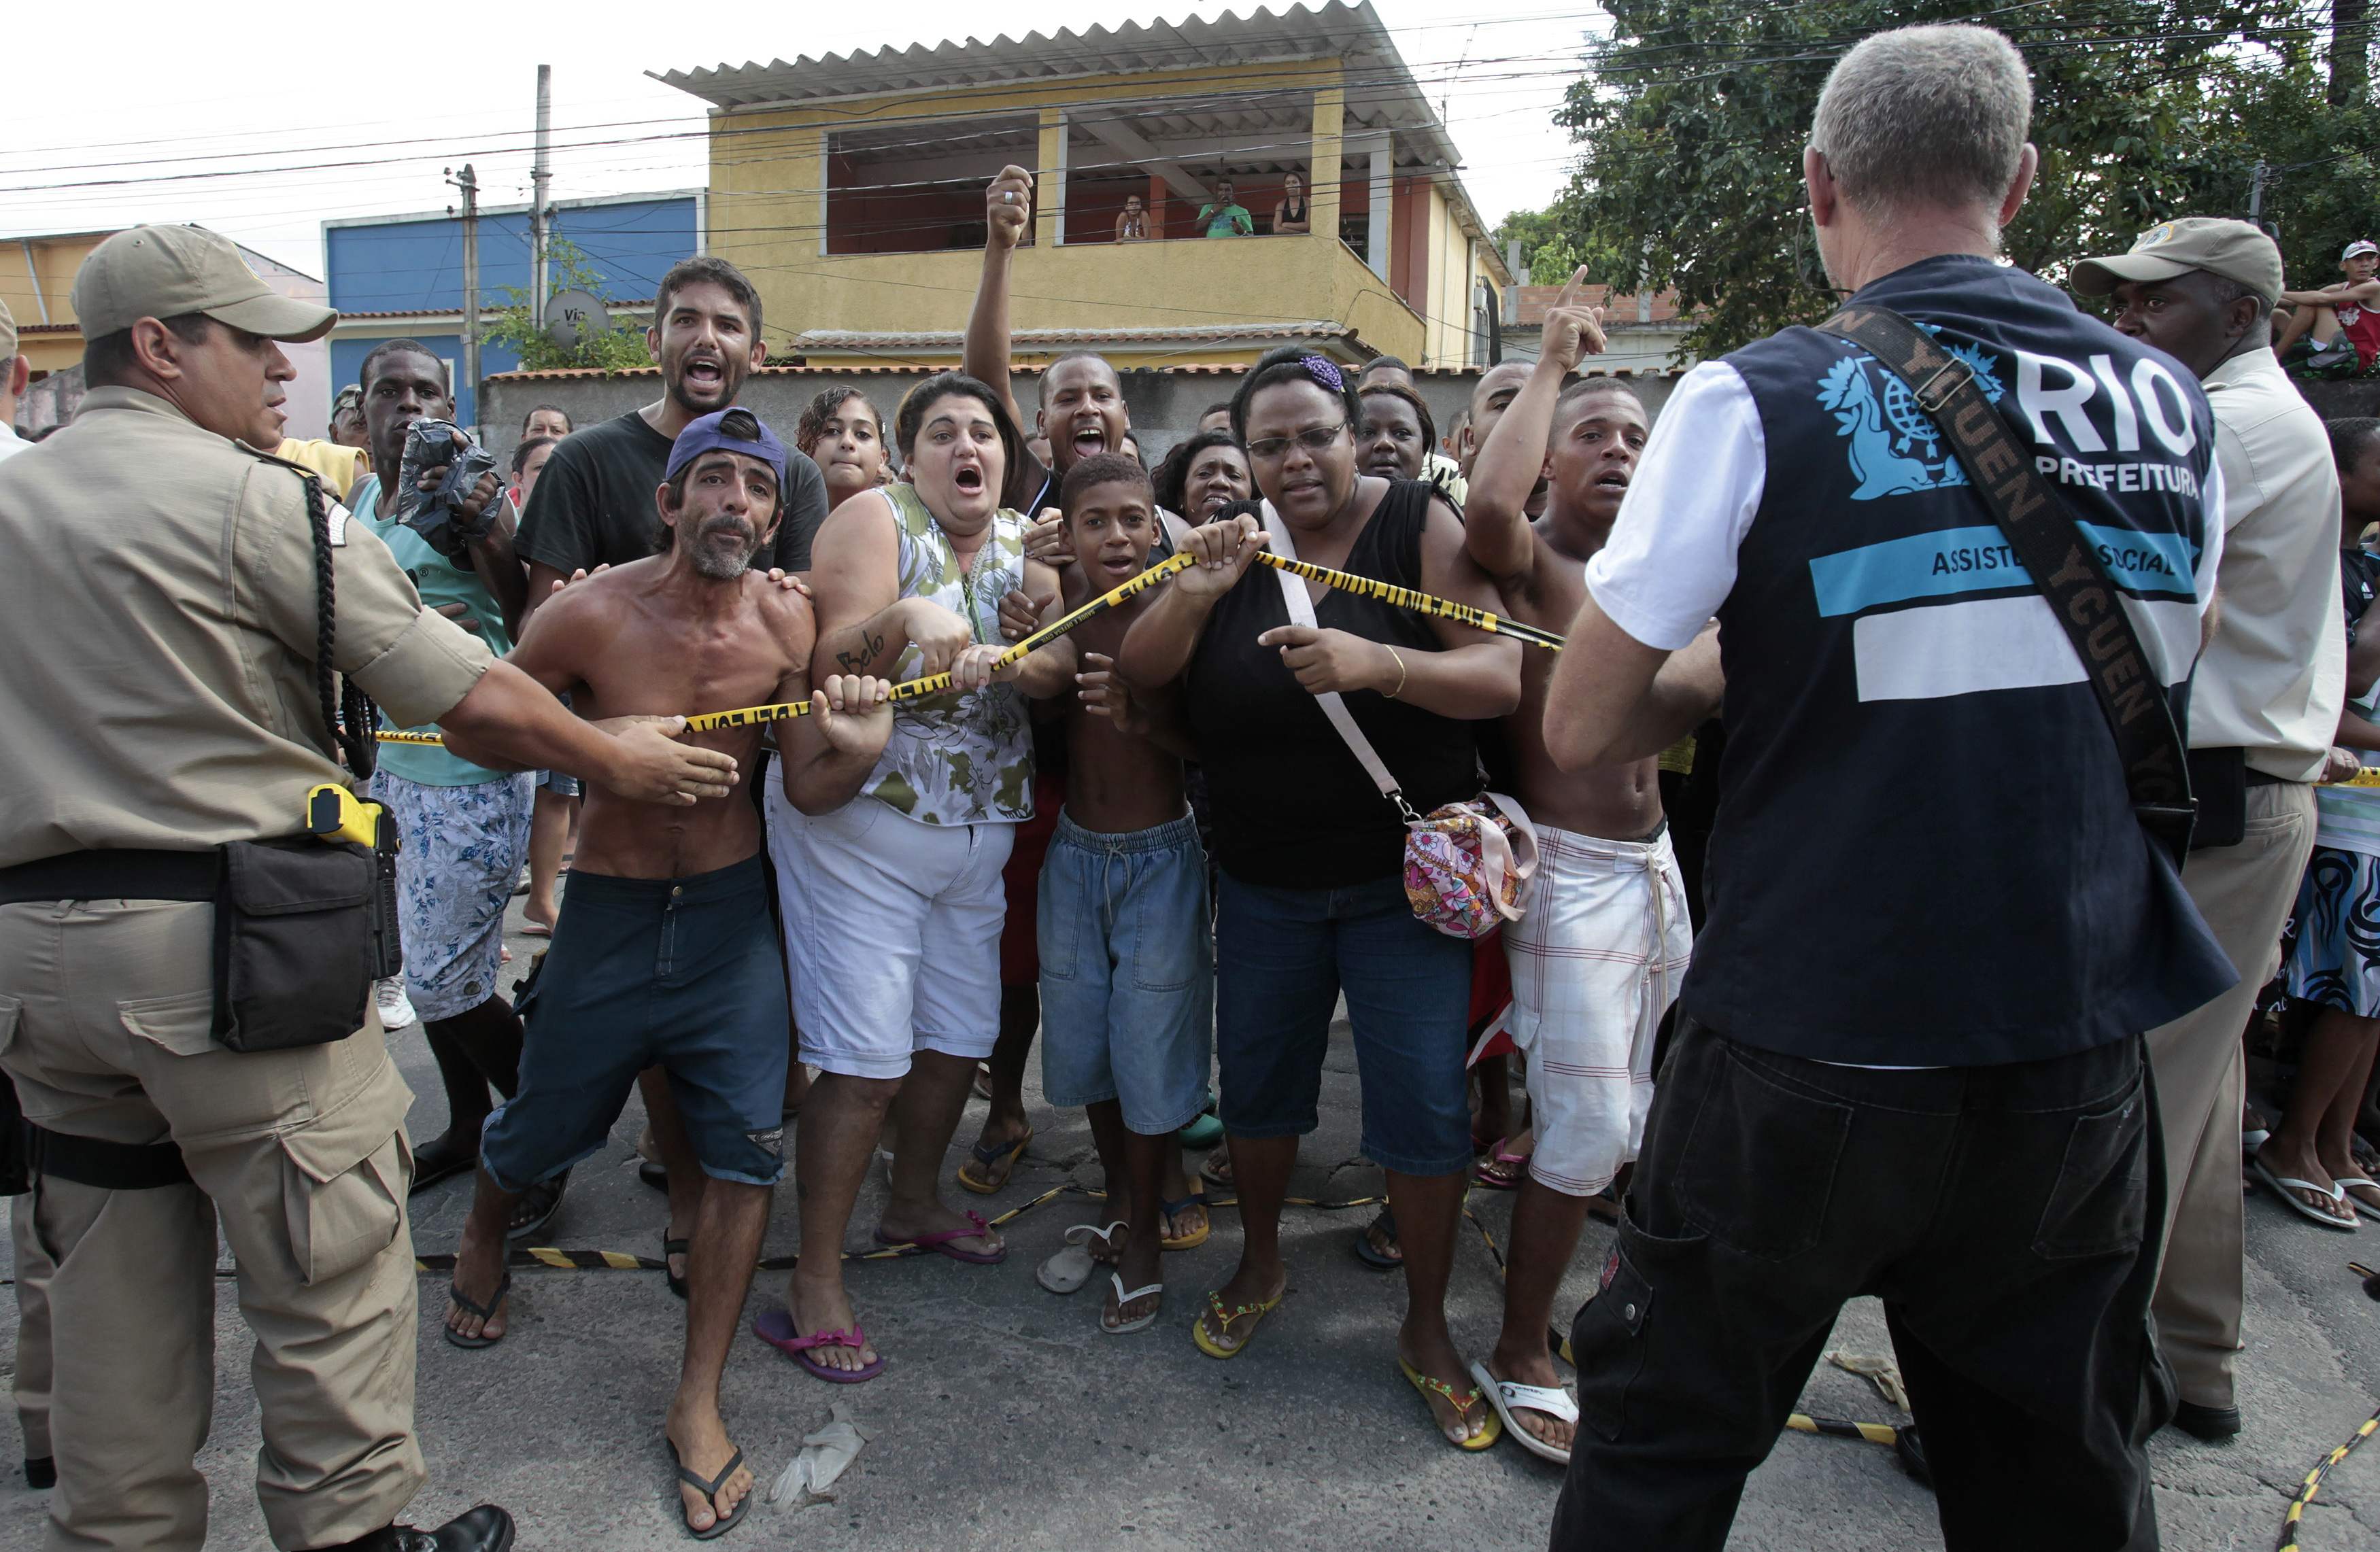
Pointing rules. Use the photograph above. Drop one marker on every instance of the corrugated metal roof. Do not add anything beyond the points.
(1391, 100)
(1030, 339)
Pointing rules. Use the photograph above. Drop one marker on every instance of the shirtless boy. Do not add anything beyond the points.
(1124, 908)
(1596, 959)
(665, 952)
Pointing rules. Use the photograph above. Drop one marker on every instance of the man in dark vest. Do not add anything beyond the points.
(1908, 1061)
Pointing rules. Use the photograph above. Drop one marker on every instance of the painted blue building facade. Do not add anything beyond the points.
(398, 277)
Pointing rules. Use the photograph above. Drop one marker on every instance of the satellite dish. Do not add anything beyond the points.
(572, 316)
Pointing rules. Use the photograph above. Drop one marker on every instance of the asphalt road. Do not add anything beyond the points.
(1007, 1419)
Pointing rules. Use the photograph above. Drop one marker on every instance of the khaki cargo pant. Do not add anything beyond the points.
(34, 1270)
(2245, 892)
(105, 1009)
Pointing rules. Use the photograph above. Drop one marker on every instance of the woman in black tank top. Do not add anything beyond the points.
(1311, 898)
(1290, 216)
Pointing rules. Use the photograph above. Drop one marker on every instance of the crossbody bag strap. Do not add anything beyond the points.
(2042, 531)
(1334, 705)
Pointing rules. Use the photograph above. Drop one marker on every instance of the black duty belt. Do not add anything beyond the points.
(126, 874)
(98, 1162)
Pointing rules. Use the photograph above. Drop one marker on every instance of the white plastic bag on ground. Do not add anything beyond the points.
(824, 1456)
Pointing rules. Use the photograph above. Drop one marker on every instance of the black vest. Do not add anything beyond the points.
(1923, 854)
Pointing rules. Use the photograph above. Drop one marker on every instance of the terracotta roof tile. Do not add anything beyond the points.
(1618, 306)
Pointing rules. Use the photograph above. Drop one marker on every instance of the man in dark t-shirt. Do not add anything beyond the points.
(594, 504)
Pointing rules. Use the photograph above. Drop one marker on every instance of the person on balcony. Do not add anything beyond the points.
(1223, 218)
(1132, 226)
(1292, 213)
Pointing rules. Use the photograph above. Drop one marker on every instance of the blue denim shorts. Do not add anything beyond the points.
(683, 974)
(1127, 973)
(1284, 956)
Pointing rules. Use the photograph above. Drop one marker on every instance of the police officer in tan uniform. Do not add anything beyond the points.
(167, 593)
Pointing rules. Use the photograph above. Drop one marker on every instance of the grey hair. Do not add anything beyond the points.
(1925, 116)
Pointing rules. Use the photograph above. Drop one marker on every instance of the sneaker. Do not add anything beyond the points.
(388, 995)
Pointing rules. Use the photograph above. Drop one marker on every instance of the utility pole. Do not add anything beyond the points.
(468, 182)
(2350, 52)
(540, 172)
(2256, 195)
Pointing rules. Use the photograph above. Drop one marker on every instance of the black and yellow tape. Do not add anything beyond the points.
(939, 683)
(1419, 602)
(2313, 1482)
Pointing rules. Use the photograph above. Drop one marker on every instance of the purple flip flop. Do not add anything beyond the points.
(776, 1328)
(941, 1243)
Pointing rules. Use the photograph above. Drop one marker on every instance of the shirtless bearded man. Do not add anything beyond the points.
(666, 953)
(1597, 958)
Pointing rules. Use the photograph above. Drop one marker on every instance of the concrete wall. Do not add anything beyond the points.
(1165, 406)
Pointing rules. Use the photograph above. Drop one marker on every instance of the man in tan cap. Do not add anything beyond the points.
(2263, 711)
(135, 786)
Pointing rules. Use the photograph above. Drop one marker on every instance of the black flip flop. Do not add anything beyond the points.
(1372, 1258)
(432, 1164)
(711, 1490)
(472, 1306)
(675, 1247)
(536, 1208)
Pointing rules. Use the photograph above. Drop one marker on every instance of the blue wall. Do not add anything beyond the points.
(347, 360)
(417, 266)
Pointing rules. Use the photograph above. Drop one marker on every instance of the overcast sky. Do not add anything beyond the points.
(337, 111)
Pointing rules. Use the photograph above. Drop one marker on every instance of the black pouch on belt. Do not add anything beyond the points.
(295, 945)
(2219, 778)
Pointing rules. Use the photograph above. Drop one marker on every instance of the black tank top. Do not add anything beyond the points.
(1292, 808)
(1292, 212)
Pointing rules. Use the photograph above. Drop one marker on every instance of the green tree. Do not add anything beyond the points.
(1694, 112)
(620, 346)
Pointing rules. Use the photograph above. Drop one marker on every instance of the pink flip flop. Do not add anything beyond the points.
(776, 1328)
(941, 1243)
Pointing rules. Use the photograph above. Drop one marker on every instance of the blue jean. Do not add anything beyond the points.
(683, 974)
(1127, 973)
(1283, 957)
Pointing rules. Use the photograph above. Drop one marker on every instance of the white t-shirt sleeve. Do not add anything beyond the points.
(1671, 560)
(2211, 495)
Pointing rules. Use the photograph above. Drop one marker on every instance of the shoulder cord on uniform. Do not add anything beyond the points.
(347, 711)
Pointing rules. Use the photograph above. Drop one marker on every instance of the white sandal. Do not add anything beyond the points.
(1123, 1298)
(1509, 1397)
(2346, 1185)
(1071, 1267)
(2287, 1189)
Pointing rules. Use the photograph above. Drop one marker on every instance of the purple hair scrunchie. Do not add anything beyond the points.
(1324, 370)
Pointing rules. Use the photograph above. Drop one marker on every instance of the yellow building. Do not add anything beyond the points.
(851, 188)
(37, 277)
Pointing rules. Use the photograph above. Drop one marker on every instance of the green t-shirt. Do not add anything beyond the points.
(440, 581)
(1228, 221)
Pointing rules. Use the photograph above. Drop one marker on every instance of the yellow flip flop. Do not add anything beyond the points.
(1192, 1240)
(1429, 1386)
(975, 1174)
(1224, 1317)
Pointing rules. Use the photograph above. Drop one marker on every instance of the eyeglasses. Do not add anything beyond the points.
(1317, 439)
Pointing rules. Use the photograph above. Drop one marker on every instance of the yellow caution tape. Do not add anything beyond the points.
(1420, 603)
(939, 683)
(2313, 1482)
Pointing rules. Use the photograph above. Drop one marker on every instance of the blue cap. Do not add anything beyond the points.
(735, 429)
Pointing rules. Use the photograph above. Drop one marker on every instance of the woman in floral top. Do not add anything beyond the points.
(892, 903)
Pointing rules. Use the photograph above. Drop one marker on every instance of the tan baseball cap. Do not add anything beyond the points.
(7, 334)
(2233, 249)
(164, 272)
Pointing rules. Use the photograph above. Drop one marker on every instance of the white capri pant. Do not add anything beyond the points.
(891, 933)
(1596, 962)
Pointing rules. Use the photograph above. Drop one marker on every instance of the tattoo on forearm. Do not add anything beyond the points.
(872, 647)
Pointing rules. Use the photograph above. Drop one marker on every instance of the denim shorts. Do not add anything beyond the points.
(1127, 973)
(1283, 956)
(683, 974)
(459, 856)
